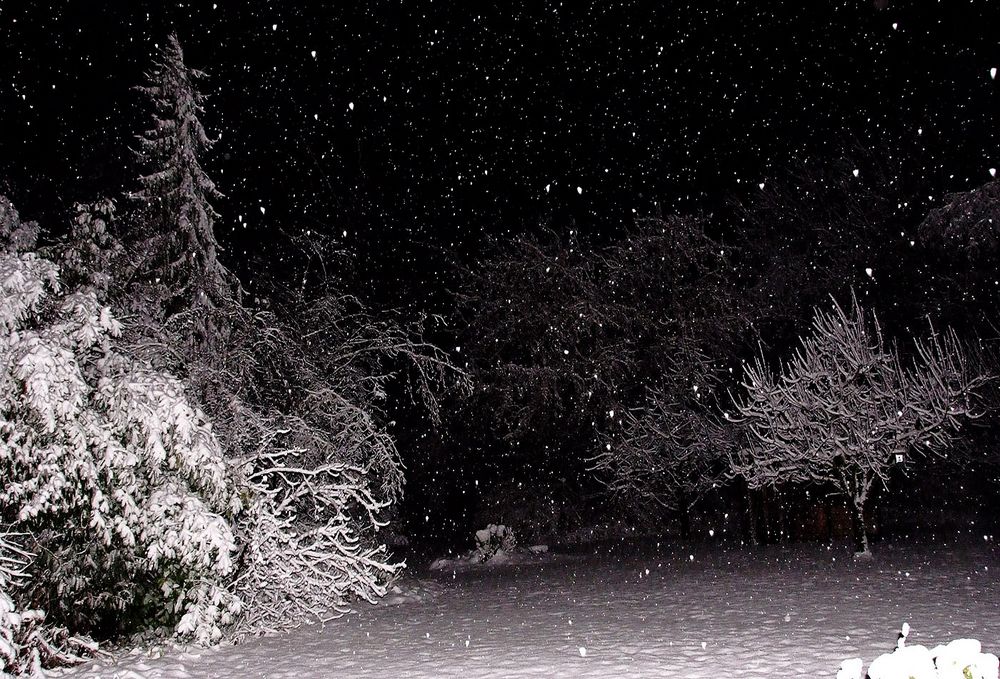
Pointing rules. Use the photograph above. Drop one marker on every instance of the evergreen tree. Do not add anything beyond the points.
(91, 252)
(175, 251)
(15, 235)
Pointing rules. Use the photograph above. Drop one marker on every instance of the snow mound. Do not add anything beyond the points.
(474, 559)
(914, 662)
(960, 659)
(953, 660)
(496, 545)
(851, 669)
(411, 591)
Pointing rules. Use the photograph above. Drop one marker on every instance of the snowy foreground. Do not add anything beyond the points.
(795, 611)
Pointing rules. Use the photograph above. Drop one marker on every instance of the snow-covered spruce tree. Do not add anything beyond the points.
(117, 480)
(845, 410)
(172, 245)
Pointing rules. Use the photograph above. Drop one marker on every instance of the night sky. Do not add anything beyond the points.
(421, 127)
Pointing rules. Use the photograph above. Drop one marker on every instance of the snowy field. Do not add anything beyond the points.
(776, 612)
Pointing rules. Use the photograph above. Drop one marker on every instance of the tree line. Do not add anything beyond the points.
(831, 337)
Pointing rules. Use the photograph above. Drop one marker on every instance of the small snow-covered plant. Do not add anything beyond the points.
(492, 539)
(116, 477)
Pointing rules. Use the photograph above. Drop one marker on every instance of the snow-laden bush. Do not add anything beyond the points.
(306, 554)
(960, 659)
(302, 422)
(117, 479)
(493, 539)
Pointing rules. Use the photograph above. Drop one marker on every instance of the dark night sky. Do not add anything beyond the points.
(464, 113)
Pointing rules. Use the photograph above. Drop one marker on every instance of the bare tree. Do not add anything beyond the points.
(845, 410)
(665, 456)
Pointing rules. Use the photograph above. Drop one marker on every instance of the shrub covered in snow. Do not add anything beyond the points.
(492, 540)
(15, 656)
(306, 553)
(960, 659)
(26, 643)
(115, 476)
(302, 422)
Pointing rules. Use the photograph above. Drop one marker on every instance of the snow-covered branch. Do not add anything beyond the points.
(845, 410)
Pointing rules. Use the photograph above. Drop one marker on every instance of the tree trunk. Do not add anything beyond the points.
(859, 529)
(684, 515)
(749, 517)
(761, 516)
(781, 522)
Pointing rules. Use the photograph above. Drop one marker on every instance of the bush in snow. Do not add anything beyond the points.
(960, 659)
(493, 539)
(16, 657)
(117, 479)
(297, 398)
(305, 551)
(496, 545)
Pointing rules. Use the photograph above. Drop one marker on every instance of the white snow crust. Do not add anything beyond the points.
(790, 611)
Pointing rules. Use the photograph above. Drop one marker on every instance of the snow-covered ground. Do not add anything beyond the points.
(796, 611)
